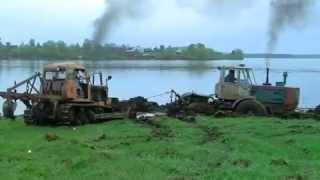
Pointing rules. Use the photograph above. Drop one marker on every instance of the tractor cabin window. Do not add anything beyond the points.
(244, 78)
(55, 75)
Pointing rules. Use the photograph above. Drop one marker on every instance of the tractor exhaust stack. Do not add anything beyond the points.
(267, 83)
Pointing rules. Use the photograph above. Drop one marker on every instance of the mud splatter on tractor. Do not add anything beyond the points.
(67, 94)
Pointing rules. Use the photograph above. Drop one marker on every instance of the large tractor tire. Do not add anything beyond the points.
(8, 109)
(251, 107)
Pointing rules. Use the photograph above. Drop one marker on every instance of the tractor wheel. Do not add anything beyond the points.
(251, 107)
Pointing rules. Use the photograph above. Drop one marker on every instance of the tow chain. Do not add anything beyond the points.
(159, 95)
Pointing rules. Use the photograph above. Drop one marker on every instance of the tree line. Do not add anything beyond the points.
(89, 50)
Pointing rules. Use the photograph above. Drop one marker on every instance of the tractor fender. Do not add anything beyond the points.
(237, 102)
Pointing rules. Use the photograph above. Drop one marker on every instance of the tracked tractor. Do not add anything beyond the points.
(66, 94)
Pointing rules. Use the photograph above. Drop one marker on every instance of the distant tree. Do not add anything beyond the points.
(90, 50)
(237, 52)
(162, 48)
(32, 43)
(88, 44)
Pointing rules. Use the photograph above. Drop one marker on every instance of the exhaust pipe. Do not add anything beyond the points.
(267, 83)
(285, 77)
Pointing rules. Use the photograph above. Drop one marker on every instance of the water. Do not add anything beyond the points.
(149, 78)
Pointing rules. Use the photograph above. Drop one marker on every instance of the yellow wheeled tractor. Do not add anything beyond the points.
(67, 94)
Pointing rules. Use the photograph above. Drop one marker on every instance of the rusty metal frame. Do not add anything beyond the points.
(27, 96)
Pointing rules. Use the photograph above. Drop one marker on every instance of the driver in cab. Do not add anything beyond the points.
(230, 77)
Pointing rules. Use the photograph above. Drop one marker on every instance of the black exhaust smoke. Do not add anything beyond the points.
(286, 14)
(119, 10)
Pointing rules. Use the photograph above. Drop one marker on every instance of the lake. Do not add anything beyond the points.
(148, 78)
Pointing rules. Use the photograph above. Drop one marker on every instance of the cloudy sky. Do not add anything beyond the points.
(168, 22)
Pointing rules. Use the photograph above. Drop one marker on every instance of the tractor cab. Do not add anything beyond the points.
(235, 82)
(72, 82)
(69, 81)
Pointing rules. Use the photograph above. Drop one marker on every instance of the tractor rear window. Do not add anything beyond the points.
(57, 75)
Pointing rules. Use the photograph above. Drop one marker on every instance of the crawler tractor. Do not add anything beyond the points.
(68, 94)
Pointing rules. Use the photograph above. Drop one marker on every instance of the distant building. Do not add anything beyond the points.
(179, 51)
(148, 50)
(134, 51)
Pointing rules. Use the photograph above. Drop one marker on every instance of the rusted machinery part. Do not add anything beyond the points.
(73, 114)
(27, 116)
(251, 107)
(39, 113)
(87, 115)
(8, 108)
(82, 115)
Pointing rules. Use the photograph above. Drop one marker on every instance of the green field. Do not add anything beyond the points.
(230, 148)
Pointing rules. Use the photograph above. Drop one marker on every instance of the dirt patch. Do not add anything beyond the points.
(163, 132)
(215, 164)
(105, 155)
(305, 151)
(67, 162)
(101, 138)
(211, 134)
(51, 137)
(295, 177)
(299, 129)
(241, 163)
(159, 130)
(290, 141)
(279, 162)
(225, 141)
(168, 152)
(186, 118)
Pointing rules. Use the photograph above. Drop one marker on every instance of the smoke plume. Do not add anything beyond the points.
(284, 14)
(116, 10)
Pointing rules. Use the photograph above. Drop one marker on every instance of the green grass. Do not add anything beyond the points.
(230, 148)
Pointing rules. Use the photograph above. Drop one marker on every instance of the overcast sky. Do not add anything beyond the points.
(163, 22)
